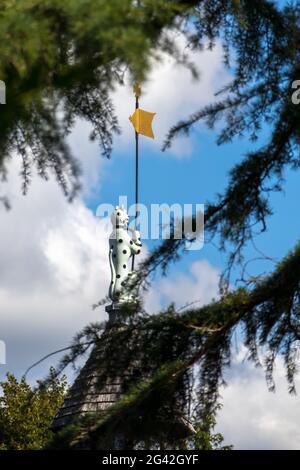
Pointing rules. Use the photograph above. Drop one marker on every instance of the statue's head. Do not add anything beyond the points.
(119, 217)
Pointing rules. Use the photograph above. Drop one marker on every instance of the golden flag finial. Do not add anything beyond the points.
(137, 90)
(142, 122)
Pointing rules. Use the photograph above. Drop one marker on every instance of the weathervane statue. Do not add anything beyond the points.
(124, 246)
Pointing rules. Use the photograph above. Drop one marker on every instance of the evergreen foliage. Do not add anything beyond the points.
(180, 358)
(263, 43)
(60, 61)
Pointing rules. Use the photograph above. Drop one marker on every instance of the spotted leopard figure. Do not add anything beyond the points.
(121, 249)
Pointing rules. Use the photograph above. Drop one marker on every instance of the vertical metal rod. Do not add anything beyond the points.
(136, 176)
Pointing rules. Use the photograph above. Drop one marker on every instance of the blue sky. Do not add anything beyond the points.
(197, 178)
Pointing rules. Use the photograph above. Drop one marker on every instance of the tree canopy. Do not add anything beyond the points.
(52, 77)
(26, 413)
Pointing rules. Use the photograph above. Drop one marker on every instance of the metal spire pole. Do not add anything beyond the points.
(137, 92)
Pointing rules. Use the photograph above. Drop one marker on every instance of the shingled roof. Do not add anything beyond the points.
(97, 388)
(94, 390)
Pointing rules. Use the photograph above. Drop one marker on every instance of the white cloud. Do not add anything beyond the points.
(254, 418)
(89, 155)
(53, 268)
(199, 285)
(171, 92)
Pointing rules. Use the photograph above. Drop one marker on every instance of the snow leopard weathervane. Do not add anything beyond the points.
(124, 242)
